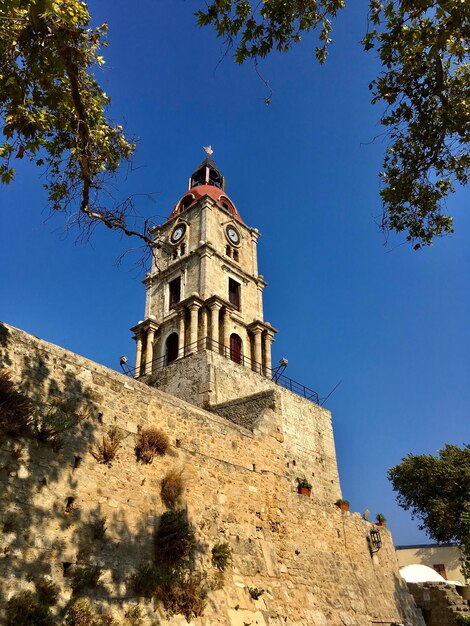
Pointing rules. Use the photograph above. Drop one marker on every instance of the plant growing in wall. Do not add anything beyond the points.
(85, 577)
(304, 487)
(25, 609)
(186, 595)
(380, 519)
(81, 613)
(15, 408)
(221, 556)
(342, 504)
(50, 424)
(175, 541)
(106, 450)
(178, 588)
(151, 442)
(133, 616)
(172, 487)
(145, 580)
(46, 591)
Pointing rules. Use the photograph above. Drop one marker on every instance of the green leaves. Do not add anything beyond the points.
(425, 86)
(424, 83)
(254, 31)
(52, 109)
(437, 490)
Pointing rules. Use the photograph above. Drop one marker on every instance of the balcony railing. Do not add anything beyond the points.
(206, 343)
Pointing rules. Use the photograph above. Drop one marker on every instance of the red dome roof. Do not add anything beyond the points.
(198, 192)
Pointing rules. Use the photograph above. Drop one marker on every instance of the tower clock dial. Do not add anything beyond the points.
(233, 235)
(178, 233)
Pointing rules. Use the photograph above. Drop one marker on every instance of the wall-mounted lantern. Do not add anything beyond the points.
(375, 541)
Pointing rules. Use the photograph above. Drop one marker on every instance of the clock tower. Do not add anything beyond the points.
(204, 292)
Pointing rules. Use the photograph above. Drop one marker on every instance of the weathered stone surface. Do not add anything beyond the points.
(311, 560)
(439, 602)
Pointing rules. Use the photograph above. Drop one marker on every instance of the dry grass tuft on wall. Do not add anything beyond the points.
(105, 452)
(188, 597)
(172, 487)
(151, 442)
(81, 613)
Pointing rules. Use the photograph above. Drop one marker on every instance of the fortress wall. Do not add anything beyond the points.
(311, 559)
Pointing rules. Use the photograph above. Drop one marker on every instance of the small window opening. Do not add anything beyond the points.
(183, 249)
(174, 256)
(440, 568)
(228, 250)
(234, 293)
(77, 462)
(225, 206)
(65, 567)
(69, 504)
(235, 255)
(175, 291)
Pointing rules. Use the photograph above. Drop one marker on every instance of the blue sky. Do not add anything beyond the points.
(390, 323)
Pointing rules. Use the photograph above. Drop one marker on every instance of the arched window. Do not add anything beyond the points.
(186, 202)
(236, 348)
(171, 348)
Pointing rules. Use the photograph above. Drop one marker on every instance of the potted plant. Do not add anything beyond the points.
(380, 520)
(342, 504)
(304, 487)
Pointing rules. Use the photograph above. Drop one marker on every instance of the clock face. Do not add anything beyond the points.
(233, 235)
(178, 233)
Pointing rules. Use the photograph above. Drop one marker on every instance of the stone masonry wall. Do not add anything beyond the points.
(213, 381)
(439, 602)
(247, 411)
(311, 559)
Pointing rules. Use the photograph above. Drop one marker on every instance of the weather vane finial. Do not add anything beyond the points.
(209, 150)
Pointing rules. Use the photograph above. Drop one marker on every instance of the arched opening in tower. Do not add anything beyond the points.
(236, 348)
(171, 348)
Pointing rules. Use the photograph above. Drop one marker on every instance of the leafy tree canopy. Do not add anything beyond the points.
(52, 109)
(425, 85)
(437, 491)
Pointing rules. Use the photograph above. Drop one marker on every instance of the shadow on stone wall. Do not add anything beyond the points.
(42, 533)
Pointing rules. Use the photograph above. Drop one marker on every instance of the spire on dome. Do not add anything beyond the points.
(207, 173)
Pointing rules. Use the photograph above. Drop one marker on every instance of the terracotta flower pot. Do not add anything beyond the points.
(343, 506)
(381, 524)
(304, 491)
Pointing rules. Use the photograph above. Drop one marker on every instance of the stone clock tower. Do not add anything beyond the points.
(204, 292)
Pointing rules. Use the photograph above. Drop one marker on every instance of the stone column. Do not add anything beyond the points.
(268, 341)
(258, 357)
(194, 308)
(138, 355)
(182, 332)
(149, 350)
(215, 308)
(226, 340)
(203, 342)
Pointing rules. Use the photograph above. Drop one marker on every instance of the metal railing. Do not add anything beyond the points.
(206, 343)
